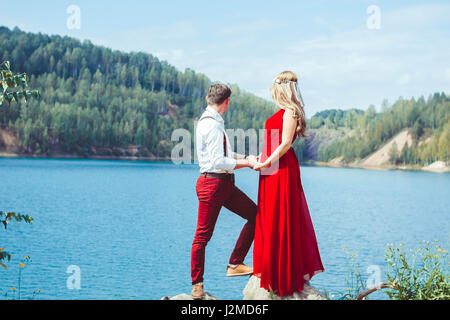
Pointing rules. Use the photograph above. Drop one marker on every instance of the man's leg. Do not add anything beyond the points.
(243, 206)
(210, 193)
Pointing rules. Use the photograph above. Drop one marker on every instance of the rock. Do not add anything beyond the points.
(337, 162)
(438, 166)
(185, 296)
(253, 291)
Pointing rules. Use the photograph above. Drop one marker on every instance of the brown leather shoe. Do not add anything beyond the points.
(197, 291)
(239, 271)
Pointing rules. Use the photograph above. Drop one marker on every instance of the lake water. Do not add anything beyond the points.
(129, 226)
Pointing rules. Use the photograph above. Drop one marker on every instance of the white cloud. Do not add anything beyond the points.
(447, 73)
(174, 55)
(359, 67)
(404, 80)
(340, 66)
(417, 16)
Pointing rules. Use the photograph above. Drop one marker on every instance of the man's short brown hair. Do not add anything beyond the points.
(218, 93)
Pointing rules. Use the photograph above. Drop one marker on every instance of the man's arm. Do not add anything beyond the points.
(244, 163)
(238, 156)
(214, 141)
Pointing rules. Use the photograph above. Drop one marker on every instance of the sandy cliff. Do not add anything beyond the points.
(381, 157)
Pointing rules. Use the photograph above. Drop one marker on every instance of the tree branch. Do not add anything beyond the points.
(374, 289)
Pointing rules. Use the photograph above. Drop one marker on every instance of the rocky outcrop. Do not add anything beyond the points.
(185, 296)
(337, 162)
(8, 140)
(382, 156)
(438, 166)
(253, 291)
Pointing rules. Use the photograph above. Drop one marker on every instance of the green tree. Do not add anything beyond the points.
(444, 143)
(99, 99)
(393, 153)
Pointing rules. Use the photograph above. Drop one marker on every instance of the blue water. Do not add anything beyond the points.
(129, 225)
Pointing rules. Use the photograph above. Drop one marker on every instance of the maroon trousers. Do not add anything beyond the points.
(213, 194)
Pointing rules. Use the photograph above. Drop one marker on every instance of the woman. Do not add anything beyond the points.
(285, 250)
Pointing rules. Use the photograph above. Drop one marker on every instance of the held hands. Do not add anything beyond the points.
(255, 164)
(259, 166)
(252, 161)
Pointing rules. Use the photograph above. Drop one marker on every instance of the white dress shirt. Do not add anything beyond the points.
(209, 135)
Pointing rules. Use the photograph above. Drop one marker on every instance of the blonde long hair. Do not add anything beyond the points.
(286, 95)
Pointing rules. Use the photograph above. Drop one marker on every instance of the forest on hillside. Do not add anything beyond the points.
(96, 101)
(428, 121)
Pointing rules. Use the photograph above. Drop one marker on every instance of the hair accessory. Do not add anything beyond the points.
(285, 86)
(276, 80)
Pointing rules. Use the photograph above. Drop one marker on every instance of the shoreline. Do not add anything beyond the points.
(166, 159)
(11, 155)
(378, 168)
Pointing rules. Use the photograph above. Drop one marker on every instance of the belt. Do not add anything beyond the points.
(223, 176)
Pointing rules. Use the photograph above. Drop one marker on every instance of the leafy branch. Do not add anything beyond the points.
(4, 255)
(5, 218)
(420, 275)
(13, 87)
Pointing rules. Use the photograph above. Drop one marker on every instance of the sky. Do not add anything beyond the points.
(347, 54)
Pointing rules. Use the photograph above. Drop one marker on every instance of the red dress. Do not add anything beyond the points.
(285, 253)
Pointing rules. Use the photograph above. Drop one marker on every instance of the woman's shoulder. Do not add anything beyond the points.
(276, 119)
(288, 112)
(279, 112)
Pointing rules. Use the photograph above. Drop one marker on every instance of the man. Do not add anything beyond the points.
(215, 189)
